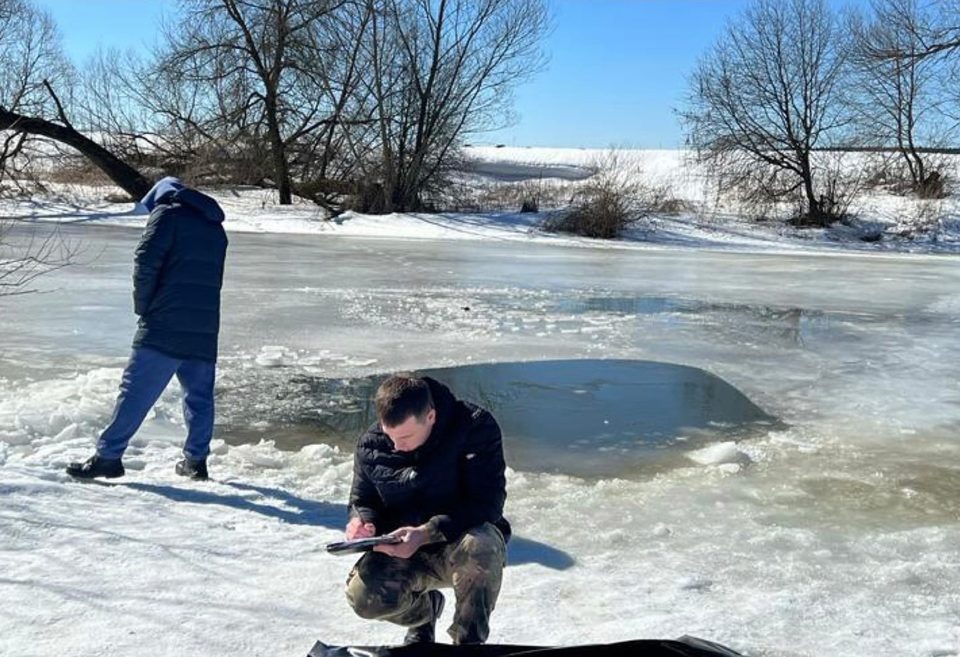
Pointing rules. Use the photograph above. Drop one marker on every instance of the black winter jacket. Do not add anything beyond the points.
(454, 481)
(177, 277)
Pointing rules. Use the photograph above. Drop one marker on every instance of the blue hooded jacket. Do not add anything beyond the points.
(178, 272)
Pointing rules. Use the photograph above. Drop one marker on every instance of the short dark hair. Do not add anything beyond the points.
(401, 396)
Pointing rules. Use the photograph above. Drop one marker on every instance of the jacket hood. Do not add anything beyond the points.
(172, 190)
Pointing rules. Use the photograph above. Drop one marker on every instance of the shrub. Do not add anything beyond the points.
(601, 210)
(608, 202)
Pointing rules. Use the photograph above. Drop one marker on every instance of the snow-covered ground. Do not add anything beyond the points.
(835, 532)
(706, 221)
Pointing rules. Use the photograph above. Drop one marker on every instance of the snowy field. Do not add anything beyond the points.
(833, 533)
(706, 220)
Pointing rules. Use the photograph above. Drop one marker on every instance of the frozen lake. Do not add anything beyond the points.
(832, 531)
(587, 418)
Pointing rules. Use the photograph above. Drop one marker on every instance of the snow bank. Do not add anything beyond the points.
(701, 226)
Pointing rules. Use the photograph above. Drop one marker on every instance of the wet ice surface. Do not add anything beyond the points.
(587, 418)
(834, 532)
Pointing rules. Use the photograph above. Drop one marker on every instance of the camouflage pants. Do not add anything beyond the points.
(395, 590)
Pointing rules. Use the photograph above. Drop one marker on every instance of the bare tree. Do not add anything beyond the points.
(125, 176)
(243, 74)
(29, 54)
(939, 37)
(365, 98)
(30, 62)
(108, 101)
(27, 253)
(329, 159)
(153, 115)
(32, 66)
(440, 70)
(765, 97)
(899, 95)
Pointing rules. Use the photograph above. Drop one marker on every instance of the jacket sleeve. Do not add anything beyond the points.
(156, 241)
(365, 501)
(483, 482)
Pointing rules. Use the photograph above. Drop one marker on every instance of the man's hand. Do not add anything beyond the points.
(411, 539)
(357, 528)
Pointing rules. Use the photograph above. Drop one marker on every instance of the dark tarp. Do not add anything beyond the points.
(686, 646)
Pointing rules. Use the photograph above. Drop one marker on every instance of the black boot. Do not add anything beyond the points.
(193, 469)
(425, 633)
(96, 467)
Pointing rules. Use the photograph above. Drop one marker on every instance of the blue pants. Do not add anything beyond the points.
(147, 374)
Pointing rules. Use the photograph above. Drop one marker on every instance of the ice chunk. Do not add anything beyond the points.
(262, 455)
(275, 356)
(318, 451)
(14, 438)
(362, 362)
(719, 454)
(69, 432)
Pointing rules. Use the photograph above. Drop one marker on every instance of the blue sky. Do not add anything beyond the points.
(617, 68)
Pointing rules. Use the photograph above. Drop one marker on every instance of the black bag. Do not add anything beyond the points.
(686, 646)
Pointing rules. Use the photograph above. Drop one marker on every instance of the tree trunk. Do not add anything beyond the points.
(814, 210)
(121, 173)
(280, 168)
(283, 175)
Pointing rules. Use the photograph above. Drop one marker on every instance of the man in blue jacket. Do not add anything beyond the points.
(178, 273)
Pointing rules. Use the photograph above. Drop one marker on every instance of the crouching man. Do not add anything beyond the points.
(431, 472)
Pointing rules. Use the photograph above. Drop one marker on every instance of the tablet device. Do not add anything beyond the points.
(361, 544)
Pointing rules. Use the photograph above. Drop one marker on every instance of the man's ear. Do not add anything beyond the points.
(431, 416)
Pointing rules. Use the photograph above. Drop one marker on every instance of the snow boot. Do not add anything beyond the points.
(196, 470)
(96, 467)
(425, 633)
